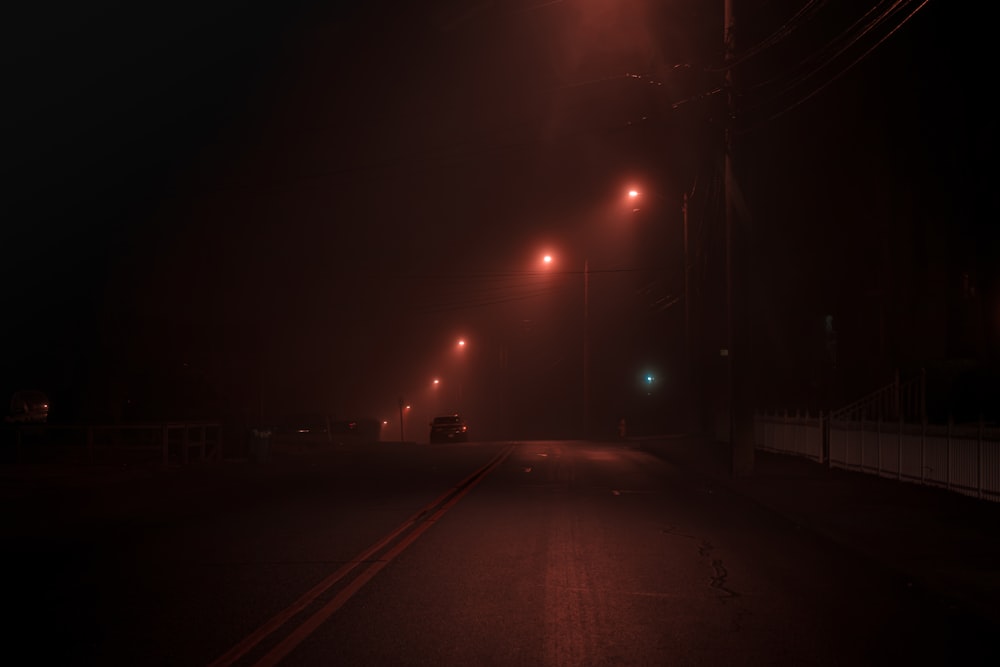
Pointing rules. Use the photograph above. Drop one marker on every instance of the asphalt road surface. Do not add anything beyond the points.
(527, 553)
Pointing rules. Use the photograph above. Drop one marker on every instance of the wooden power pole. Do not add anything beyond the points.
(737, 351)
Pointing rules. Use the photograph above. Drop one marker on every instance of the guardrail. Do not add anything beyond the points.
(165, 443)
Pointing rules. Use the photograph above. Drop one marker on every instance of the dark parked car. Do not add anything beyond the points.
(449, 428)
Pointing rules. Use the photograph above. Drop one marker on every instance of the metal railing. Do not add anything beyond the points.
(907, 400)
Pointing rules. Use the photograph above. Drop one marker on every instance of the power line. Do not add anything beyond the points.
(879, 16)
(853, 63)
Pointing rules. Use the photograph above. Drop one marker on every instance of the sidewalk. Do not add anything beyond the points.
(942, 541)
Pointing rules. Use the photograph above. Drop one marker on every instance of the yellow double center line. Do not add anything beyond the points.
(389, 547)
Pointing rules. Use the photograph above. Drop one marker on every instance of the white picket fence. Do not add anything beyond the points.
(784, 433)
(962, 458)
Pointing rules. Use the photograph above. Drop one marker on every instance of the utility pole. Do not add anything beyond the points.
(741, 432)
(687, 285)
(586, 346)
(401, 437)
(689, 366)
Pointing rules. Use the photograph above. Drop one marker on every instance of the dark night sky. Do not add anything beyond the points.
(315, 201)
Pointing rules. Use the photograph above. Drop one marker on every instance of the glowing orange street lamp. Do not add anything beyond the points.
(402, 406)
(461, 348)
(634, 195)
(547, 260)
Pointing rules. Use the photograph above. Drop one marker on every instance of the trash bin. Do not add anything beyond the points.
(260, 444)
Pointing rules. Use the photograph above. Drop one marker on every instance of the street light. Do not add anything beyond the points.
(547, 260)
(435, 402)
(634, 195)
(402, 406)
(460, 346)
